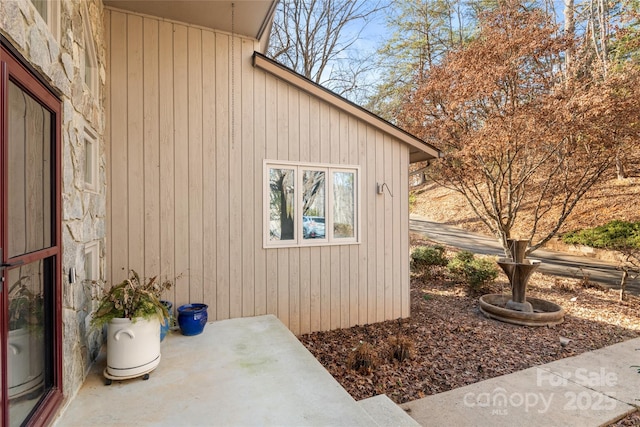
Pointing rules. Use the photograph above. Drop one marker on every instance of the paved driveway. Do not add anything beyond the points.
(556, 263)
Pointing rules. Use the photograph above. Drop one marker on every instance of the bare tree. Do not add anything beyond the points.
(569, 32)
(515, 136)
(282, 203)
(607, 38)
(317, 38)
(421, 33)
(630, 267)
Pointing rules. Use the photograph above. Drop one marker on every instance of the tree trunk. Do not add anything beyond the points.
(623, 284)
(620, 171)
(286, 221)
(569, 32)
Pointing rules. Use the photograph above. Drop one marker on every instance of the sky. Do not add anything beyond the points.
(376, 31)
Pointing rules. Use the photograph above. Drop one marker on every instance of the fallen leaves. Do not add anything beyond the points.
(453, 345)
(440, 204)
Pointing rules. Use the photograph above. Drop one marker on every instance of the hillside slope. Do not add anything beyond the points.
(609, 200)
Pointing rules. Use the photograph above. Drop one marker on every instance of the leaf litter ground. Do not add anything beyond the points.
(452, 344)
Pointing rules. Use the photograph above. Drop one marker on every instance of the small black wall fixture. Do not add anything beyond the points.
(380, 188)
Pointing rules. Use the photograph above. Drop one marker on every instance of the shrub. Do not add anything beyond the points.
(342, 230)
(362, 358)
(563, 285)
(401, 348)
(477, 273)
(424, 258)
(613, 235)
(457, 265)
(465, 256)
(413, 199)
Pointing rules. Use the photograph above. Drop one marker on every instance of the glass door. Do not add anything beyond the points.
(29, 247)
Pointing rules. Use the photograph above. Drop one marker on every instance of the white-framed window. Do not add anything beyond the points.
(310, 204)
(90, 161)
(49, 10)
(92, 261)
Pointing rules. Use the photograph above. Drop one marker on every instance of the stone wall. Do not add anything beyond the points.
(59, 61)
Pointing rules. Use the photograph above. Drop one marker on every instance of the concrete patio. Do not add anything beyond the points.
(239, 372)
(254, 372)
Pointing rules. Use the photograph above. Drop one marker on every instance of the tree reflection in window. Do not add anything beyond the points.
(343, 204)
(281, 204)
(310, 205)
(313, 202)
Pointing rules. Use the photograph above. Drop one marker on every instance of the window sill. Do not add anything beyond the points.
(311, 245)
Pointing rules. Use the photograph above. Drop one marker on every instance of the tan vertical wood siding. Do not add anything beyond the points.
(191, 122)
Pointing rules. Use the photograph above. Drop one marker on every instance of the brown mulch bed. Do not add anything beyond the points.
(631, 420)
(453, 345)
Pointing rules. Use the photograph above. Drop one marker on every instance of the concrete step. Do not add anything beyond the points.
(385, 413)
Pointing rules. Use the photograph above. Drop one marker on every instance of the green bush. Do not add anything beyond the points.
(459, 263)
(613, 235)
(413, 198)
(424, 258)
(465, 256)
(477, 273)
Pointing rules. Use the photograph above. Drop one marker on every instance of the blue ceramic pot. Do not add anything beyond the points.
(164, 328)
(192, 318)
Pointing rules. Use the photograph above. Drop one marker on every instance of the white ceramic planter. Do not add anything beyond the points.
(26, 362)
(133, 348)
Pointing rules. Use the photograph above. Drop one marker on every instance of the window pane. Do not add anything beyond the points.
(29, 178)
(87, 66)
(88, 266)
(343, 204)
(26, 359)
(91, 265)
(41, 7)
(88, 162)
(281, 204)
(313, 201)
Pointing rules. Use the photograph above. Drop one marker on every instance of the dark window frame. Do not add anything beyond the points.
(14, 68)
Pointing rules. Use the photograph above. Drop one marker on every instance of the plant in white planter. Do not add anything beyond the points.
(25, 306)
(133, 313)
(26, 364)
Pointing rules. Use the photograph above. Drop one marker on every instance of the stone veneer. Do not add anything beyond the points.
(83, 212)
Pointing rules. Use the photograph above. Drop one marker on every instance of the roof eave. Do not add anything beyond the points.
(249, 18)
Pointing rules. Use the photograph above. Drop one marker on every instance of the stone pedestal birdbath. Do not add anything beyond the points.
(518, 308)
